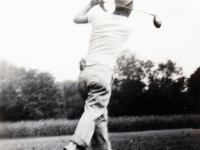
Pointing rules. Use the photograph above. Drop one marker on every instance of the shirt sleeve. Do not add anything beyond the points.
(92, 15)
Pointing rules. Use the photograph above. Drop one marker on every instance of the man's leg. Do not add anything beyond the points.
(100, 139)
(98, 81)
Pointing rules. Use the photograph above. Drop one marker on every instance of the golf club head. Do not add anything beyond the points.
(157, 21)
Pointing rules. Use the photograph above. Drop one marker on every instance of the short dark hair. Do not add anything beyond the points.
(124, 11)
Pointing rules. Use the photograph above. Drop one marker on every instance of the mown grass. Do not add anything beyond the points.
(120, 124)
(127, 124)
(183, 139)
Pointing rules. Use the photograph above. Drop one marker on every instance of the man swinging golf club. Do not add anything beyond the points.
(110, 31)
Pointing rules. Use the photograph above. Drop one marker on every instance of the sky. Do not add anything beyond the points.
(41, 34)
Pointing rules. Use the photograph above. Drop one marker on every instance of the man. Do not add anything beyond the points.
(109, 34)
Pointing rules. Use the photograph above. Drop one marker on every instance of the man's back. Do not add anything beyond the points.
(109, 34)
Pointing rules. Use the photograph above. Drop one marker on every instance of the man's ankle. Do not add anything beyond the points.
(80, 147)
(73, 143)
(77, 146)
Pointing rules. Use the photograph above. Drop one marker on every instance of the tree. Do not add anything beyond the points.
(41, 96)
(28, 94)
(142, 88)
(165, 90)
(74, 104)
(10, 103)
(193, 85)
(128, 85)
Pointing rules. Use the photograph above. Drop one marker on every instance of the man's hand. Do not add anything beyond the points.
(94, 2)
(81, 17)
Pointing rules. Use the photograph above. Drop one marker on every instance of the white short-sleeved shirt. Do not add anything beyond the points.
(109, 34)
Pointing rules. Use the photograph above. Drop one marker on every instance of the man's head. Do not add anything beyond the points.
(121, 10)
(118, 8)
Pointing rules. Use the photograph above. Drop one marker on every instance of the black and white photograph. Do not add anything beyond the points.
(99, 75)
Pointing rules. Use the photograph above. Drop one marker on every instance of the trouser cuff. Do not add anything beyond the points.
(79, 141)
(102, 146)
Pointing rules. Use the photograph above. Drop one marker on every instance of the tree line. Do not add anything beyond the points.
(139, 88)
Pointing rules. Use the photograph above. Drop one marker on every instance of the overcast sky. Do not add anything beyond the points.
(40, 34)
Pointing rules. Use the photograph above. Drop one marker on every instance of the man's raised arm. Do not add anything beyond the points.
(81, 17)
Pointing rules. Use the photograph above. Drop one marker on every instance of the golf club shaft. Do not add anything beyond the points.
(127, 7)
(143, 12)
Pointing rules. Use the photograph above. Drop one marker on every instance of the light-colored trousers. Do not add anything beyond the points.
(94, 85)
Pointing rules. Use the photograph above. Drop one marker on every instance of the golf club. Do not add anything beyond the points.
(156, 18)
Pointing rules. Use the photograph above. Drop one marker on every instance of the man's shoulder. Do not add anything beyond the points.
(93, 13)
(96, 9)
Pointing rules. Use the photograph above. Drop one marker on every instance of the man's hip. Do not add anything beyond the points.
(94, 76)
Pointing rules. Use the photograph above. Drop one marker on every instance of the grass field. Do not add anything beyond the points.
(185, 139)
(120, 124)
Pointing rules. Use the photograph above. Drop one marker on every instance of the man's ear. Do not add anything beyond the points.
(102, 6)
(130, 4)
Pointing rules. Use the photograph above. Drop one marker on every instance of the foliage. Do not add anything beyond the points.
(194, 90)
(140, 88)
(28, 94)
(41, 97)
(120, 124)
(73, 102)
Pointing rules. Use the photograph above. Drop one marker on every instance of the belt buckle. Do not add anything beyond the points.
(82, 64)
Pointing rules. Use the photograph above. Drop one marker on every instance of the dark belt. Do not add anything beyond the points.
(82, 64)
